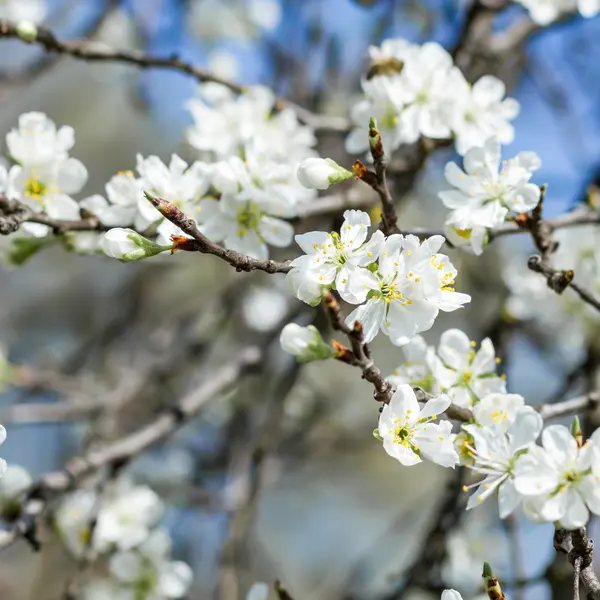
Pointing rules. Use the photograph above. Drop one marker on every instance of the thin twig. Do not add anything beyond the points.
(359, 355)
(94, 51)
(200, 243)
(379, 183)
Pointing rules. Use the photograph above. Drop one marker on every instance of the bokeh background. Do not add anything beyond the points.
(335, 516)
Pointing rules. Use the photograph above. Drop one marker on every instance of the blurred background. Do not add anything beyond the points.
(334, 516)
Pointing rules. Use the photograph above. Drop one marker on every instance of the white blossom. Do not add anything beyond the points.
(465, 374)
(382, 102)
(411, 285)
(416, 91)
(46, 177)
(182, 186)
(394, 48)
(333, 258)
(483, 197)
(408, 104)
(320, 173)
(36, 142)
(409, 433)
(557, 481)
(15, 481)
(498, 409)
(496, 452)
(416, 368)
(246, 217)
(544, 12)
(224, 123)
(73, 518)
(149, 573)
(126, 517)
(480, 111)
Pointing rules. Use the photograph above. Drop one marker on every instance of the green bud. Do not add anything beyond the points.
(376, 434)
(27, 31)
(305, 343)
(492, 585)
(127, 245)
(576, 431)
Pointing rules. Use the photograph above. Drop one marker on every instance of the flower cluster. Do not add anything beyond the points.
(555, 482)
(241, 191)
(122, 526)
(416, 91)
(400, 283)
(543, 12)
(236, 202)
(455, 368)
(483, 197)
(409, 432)
(44, 177)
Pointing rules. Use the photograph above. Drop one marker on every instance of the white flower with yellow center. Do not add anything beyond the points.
(411, 284)
(499, 409)
(409, 433)
(483, 196)
(416, 370)
(466, 374)
(36, 142)
(243, 218)
(496, 452)
(557, 480)
(336, 259)
(48, 188)
(46, 176)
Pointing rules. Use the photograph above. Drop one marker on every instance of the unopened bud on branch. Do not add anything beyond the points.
(127, 245)
(305, 343)
(320, 173)
(27, 31)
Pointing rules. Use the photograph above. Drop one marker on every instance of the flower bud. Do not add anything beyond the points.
(127, 245)
(320, 173)
(576, 431)
(27, 31)
(305, 343)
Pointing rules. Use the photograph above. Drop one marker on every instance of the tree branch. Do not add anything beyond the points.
(94, 51)
(121, 451)
(200, 243)
(569, 407)
(359, 355)
(579, 549)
